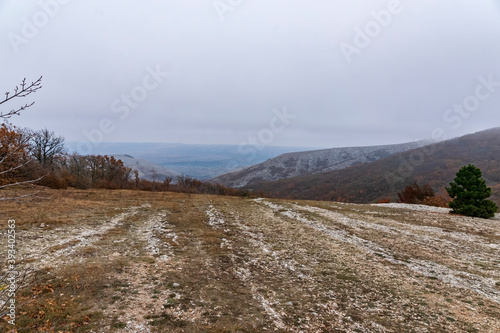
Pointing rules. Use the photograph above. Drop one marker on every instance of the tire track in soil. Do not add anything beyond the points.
(314, 307)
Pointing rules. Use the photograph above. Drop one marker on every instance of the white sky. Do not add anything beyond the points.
(227, 76)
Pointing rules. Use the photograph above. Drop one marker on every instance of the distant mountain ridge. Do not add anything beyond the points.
(435, 165)
(310, 162)
(201, 161)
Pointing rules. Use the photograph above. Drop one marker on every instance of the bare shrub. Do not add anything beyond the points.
(415, 194)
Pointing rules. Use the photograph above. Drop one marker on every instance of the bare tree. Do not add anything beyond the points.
(44, 145)
(154, 178)
(167, 181)
(127, 176)
(136, 178)
(79, 167)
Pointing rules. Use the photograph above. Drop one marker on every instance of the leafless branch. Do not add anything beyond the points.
(19, 197)
(23, 90)
(23, 182)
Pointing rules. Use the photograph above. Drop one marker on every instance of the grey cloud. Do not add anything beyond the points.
(227, 76)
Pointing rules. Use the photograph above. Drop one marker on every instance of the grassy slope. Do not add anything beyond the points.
(131, 261)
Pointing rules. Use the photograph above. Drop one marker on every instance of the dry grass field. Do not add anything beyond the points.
(128, 261)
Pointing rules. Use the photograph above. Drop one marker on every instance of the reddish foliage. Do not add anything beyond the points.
(441, 201)
(14, 157)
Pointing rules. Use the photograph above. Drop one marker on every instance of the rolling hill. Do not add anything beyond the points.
(435, 164)
(310, 162)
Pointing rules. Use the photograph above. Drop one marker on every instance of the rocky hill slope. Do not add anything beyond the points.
(310, 162)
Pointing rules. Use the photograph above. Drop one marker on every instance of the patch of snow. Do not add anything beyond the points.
(215, 218)
(423, 208)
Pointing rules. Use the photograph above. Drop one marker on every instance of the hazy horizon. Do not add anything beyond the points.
(306, 148)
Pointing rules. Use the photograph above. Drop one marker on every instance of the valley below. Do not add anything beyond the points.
(129, 261)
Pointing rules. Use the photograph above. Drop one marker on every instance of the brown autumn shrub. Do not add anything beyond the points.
(414, 194)
(54, 180)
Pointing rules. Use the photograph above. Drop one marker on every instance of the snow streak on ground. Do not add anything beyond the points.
(152, 229)
(216, 220)
(69, 241)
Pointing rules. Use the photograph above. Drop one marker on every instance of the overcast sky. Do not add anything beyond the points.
(355, 72)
